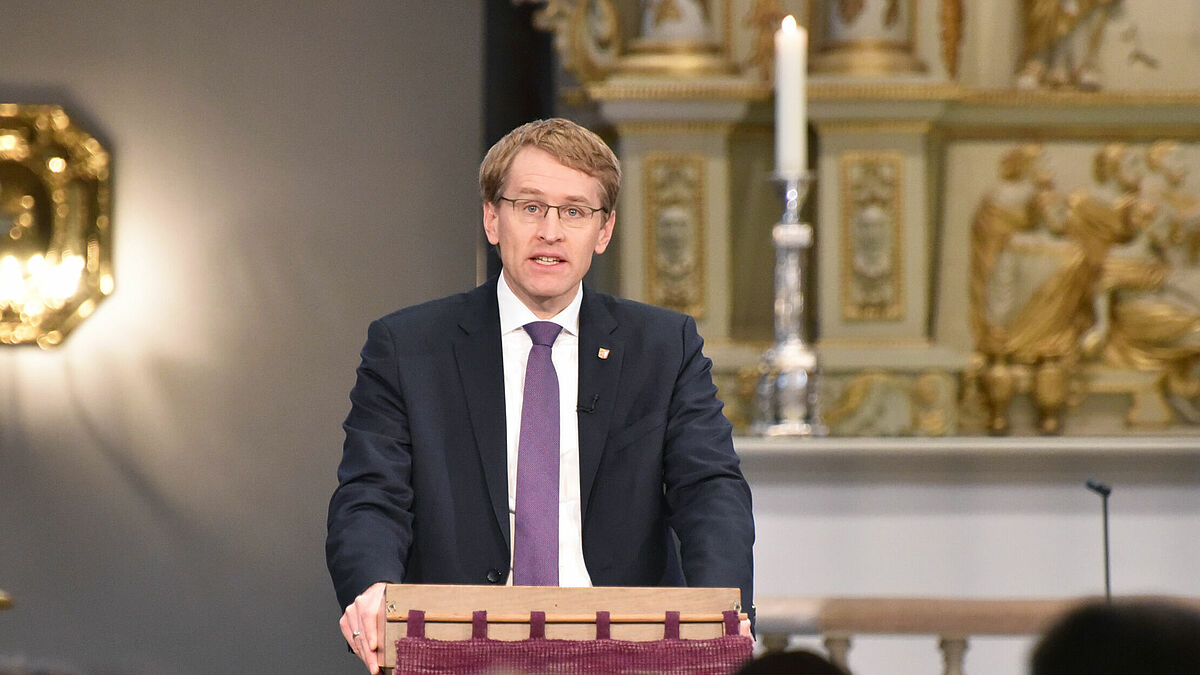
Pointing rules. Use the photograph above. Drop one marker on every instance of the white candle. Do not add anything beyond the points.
(791, 47)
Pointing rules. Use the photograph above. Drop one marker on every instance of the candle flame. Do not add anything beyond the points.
(789, 24)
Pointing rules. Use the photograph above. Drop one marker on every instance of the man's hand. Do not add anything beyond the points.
(360, 625)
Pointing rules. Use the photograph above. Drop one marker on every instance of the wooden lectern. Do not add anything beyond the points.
(635, 614)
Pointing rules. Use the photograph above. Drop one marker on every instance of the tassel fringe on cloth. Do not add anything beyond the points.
(418, 655)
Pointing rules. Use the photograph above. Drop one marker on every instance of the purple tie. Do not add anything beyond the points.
(535, 541)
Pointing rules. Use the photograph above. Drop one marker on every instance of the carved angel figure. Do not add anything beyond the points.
(1051, 29)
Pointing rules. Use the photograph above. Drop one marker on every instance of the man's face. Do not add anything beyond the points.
(544, 260)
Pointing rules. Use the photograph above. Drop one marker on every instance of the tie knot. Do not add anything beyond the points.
(543, 332)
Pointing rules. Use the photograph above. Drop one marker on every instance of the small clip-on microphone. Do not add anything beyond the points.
(590, 408)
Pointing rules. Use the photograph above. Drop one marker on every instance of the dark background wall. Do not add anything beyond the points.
(283, 173)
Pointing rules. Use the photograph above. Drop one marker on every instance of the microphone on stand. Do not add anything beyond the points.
(1104, 491)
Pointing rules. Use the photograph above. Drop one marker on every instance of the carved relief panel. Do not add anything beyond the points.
(892, 403)
(872, 225)
(675, 204)
(1085, 279)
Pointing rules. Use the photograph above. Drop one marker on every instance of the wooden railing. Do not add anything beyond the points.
(952, 621)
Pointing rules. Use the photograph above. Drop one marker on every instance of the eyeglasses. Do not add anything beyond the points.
(571, 215)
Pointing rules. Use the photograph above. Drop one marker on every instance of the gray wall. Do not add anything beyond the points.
(283, 173)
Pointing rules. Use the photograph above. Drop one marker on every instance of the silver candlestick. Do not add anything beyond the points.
(787, 401)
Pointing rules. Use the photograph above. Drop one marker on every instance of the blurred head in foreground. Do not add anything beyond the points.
(1143, 637)
(790, 663)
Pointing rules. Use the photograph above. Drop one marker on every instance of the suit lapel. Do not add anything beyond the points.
(600, 355)
(481, 370)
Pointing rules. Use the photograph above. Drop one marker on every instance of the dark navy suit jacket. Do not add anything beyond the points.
(422, 492)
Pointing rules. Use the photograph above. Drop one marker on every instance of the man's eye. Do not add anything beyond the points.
(532, 207)
(573, 212)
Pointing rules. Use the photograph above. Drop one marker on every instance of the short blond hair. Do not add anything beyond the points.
(572, 145)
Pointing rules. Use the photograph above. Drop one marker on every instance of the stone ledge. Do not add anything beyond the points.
(1146, 459)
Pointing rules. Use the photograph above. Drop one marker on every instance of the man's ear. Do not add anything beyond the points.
(491, 224)
(606, 232)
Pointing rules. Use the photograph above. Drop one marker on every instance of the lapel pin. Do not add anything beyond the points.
(603, 353)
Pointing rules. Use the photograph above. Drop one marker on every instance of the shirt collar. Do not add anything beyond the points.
(514, 314)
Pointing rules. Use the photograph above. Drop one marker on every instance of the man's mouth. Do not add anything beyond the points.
(546, 260)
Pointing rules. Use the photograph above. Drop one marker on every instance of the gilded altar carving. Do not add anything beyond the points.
(675, 20)
(872, 236)
(951, 15)
(598, 38)
(675, 200)
(1147, 303)
(676, 37)
(763, 20)
(880, 403)
(587, 34)
(866, 37)
(1061, 41)
(1104, 278)
(850, 10)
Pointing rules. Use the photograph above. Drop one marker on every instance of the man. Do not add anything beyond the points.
(434, 478)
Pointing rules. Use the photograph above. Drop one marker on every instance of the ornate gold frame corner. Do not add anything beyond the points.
(55, 224)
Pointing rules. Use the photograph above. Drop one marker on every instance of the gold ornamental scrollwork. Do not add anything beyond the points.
(872, 235)
(587, 34)
(675, 226)
(55, 224)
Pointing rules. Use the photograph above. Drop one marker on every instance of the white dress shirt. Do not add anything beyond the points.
(565, 354)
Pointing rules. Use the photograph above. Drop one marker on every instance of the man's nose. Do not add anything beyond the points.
(551, 228)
